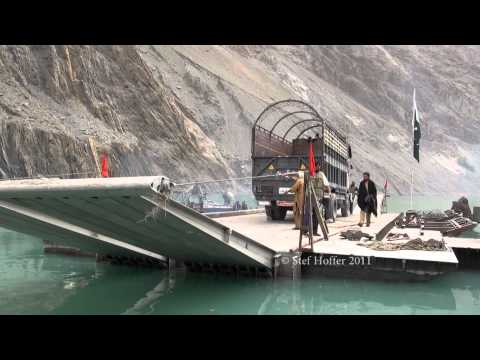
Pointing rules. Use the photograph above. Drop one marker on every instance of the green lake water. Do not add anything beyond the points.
(32, 282)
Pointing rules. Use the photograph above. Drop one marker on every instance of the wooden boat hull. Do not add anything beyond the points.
(459, 231)
(448, 225)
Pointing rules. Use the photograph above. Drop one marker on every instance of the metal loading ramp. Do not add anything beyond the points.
(113, 216)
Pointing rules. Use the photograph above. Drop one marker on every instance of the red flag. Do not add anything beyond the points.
(311, 160)
(386, 184)
(104, 166)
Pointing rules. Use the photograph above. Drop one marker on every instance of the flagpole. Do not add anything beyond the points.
(411, 192)
(413, 147)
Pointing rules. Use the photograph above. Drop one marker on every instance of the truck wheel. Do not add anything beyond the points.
(331, 211)
(345, 208)
(268, 211)
(278, 213)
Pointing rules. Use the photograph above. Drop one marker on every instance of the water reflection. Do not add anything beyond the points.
(206, 294)
(146, 305)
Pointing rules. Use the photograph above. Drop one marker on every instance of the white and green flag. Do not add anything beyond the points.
(416, 130)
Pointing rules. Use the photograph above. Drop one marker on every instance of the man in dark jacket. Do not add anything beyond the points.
(367, 199)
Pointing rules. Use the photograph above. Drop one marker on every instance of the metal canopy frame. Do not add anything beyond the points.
(308, 110)
(307, 129)
(288, 115)
(288, 101)
(298, 123)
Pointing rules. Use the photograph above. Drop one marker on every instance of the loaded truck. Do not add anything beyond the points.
(283, 148)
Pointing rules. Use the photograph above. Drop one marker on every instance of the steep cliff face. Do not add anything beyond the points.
(187, 111)
(364, 90)
(62, 105)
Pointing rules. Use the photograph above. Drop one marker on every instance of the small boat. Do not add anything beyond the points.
(448, 222)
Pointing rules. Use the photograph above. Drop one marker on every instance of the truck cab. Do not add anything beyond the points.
(279, 150)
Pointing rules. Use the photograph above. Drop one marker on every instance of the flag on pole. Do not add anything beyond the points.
(104, 166)
(416, 130)
(386, 185)
(311, 160)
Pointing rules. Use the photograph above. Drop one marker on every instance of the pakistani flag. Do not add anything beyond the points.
(416, 130)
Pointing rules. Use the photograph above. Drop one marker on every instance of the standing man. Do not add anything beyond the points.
(320, 186)
(299, 190)
(367, 199)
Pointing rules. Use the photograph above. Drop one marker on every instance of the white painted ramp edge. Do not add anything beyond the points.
(76, 229)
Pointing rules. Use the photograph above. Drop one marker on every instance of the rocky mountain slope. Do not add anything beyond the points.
(187, 111)
(63, 105)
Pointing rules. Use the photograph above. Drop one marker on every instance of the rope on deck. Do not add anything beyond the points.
(236, 179)
(165, 188)
(414, 244)
(49, 176)
(176, 184)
